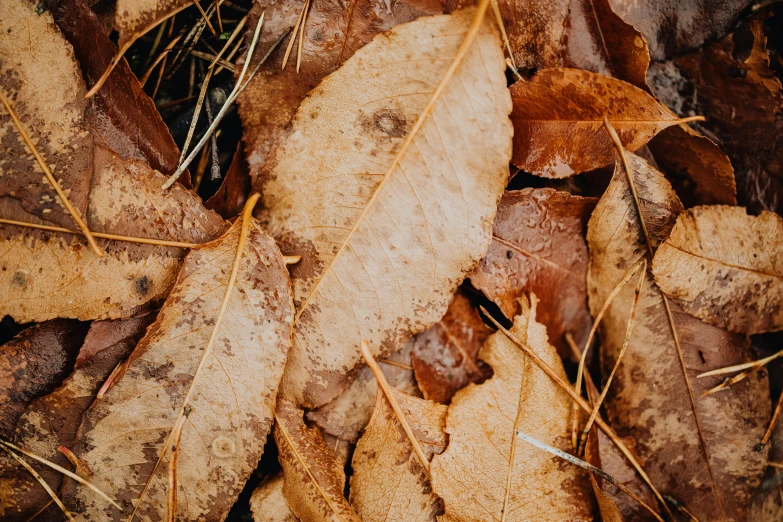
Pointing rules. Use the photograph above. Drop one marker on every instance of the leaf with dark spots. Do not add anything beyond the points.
(214, 358)
(698, 450)
(538, 246)
(389, 483)
(725, 267)
(52, 420)
(558, 115)
(314, 479)
(33, 364)
(445, 357)
(334, 31)
(517, 481)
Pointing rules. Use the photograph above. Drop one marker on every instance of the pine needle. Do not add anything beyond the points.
(386, 388)
(293, 36)
(50, 177)
(160, 57)
(589, 467)
(302, 36)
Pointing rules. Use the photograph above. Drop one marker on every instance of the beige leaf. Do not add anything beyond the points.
(389, 483)
(485, 473)
(698, 450)
(133, 18)
(219, 371)
(267, 503)
(388, 223)
(314, 479)
(725, 267)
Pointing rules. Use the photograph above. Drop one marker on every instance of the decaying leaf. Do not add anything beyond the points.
(538, 246)
(445, 357)
(699, 450)
(558, 115)
(389, 484)
(314, 479)
(346, 416)
(268, 502)
(535, 31)
(725, 267)
(33, 364)
(51, 421)
(390, 216)
(215, 365)
(517, 481)
(334, 31)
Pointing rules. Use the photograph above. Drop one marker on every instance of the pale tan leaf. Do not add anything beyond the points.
(698, 450)
(133, 18)
(486, 473)
(389, 483)
(725, 267)
(558, 121)
(314, 479)
(388, 224)
(219, 371)
(268, 504)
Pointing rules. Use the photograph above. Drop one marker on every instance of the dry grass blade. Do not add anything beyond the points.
(293, 36)
(384, 384)
(626, 341)
(583, 356)
(41, 481)
(52, 181)
(589, 467)
(582, 404)
(173, 439)
(9, 446)
(739, 367)
(629, 176)
(160, 57)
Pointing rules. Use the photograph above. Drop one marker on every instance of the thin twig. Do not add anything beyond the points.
(293, 36)
(502, 27)
(739, 367)
(583, 357)
(396, 364)
(302, 36)
(61, 469)
(589, 467)
(626, 341)
(160, 57)
(52, 181)
(211, 58)
(772, 423)
(41, 481)
(206, 18)
(387, 391)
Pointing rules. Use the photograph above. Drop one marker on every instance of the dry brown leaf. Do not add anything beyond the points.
(445, 357)
(389, 483)
(485, 473)
(346, 416)
(725, 267)
(334, 31)
(538, 246)
(314, 479)
(699, 450)
(558, 121)
(217, 371)
(230, 198)
(267, 503)
(51, 421)
(535, 31)
(388, 224)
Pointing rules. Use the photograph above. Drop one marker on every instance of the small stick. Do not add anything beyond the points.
(206, 18)
(772, 423)
(589, 467)
(53, 182)
(626, 341)
(41, 481)
(302, 35)
(387, 391)
(7, 445)
(583, 357)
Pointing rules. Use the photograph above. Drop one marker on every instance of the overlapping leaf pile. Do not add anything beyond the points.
(424, 336)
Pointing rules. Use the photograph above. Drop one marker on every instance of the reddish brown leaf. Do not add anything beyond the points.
(538, 246)
(445, 357)
(232, 194)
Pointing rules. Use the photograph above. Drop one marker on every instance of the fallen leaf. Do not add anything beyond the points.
(33, 364)
(725, 267)
(672, 28)
(52, 420)
(518, 481)
(535, 31)
(213, 357)
(731, 83)
(389, 482)
(232, 194)
(267, 503)
(346, 416)
(699, 450)
(557, 116)
(538, 246)
(334, 31)
(314, 479)
(135, 17)
(381, 255)
(444, 358)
